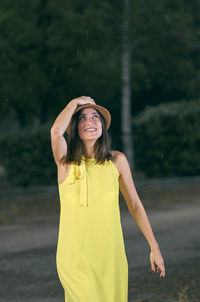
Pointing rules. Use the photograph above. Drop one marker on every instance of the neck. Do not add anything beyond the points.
(88, 149)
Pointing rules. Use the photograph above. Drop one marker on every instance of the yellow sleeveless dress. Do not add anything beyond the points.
(91, 259)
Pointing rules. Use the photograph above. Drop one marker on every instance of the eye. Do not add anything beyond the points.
(96, 116)
(81, 117)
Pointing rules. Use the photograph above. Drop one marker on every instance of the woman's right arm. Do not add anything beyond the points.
(58, 142)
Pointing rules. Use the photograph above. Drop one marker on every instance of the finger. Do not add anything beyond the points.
(87, 97)
(86, 100)
(158, 269)
(162, 274)
(90, 100)
(162, 271)
(152, 266)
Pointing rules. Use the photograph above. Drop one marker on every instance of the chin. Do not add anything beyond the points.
(89, 136)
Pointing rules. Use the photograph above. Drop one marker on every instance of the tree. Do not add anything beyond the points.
(126, 87)
(52, 53)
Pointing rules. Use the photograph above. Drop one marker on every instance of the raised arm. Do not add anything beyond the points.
(58, 142)
(138, 212)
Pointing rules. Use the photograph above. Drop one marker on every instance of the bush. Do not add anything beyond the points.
(27, 157)
(167, 139)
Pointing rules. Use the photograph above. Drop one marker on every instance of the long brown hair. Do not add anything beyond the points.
(102, 146)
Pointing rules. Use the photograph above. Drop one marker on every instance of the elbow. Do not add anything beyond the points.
(55, 131)
(134, 206)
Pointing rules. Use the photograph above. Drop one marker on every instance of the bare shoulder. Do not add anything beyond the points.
(119, 159)
(117, 155)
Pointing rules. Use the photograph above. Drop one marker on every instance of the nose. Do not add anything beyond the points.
(90, 121)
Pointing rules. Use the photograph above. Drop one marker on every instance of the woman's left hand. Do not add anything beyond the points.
(157, 262)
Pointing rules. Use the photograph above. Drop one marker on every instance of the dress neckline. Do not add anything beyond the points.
(87, 159)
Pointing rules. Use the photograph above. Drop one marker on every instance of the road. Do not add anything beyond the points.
(28, 248)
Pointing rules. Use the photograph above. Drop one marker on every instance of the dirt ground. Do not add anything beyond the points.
(28, 238)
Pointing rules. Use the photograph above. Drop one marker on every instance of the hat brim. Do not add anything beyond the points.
(102, 110)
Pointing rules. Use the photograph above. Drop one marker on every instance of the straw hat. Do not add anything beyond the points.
(102, 110)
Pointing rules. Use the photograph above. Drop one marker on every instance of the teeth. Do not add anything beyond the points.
(91, 130)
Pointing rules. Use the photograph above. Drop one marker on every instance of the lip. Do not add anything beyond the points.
(95, 129)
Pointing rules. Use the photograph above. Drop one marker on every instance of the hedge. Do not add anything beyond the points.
(167, 139)
(27, 157)
(166, 143)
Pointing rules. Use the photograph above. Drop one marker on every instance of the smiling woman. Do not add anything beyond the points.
(87, 130)
(89, 123)
(91, 258)
(89, 126)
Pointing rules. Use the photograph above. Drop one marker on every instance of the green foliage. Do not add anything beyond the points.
(27, 157)
(52, 51)
(167, 139)
(164, 39)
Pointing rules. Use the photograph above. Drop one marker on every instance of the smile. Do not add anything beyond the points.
(91, 130)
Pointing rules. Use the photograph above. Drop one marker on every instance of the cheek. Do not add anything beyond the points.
(80, 125)
(99, 132)
(100, 129)
(80, 130)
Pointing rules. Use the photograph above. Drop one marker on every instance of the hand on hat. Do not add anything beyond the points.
(83, 100)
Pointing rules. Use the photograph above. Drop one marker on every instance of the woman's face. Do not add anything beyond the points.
(89, 124)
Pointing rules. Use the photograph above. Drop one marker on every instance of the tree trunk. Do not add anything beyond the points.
(127, 139)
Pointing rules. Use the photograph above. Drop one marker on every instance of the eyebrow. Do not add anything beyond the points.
(86, 113)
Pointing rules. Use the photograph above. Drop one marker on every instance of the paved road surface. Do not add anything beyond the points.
(28, 269)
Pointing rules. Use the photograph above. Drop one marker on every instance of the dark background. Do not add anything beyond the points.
(53, 51)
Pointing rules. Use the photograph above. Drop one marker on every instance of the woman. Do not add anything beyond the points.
(91, 259)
